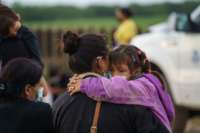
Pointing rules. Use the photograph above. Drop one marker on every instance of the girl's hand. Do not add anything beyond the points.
(74, 84)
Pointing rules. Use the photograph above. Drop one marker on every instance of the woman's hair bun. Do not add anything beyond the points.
(71, 42)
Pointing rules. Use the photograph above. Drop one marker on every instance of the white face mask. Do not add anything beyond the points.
(2, 87)
(40, 94)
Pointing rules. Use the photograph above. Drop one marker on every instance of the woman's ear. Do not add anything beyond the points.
(103, 64)
(28, 91)
(100, 65)
(96, 65)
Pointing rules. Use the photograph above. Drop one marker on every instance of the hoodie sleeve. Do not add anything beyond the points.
(115, 90)
(94, 88)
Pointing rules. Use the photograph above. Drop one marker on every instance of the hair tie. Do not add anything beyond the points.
(133, 59)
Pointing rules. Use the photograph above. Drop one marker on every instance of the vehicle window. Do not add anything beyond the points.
(184, 24)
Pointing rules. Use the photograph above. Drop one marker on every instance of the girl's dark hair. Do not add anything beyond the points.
(17, 74)
(83, 50)
(127, 12)
(7, 19)
(132, 56)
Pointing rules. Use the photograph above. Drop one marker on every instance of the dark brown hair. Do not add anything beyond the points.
(126, 12)
(132, 56)
(17, 74)
(83, 50)
(7, 19)
(135, 59)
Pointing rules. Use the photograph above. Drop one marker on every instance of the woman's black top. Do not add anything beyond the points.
(25, 45)
(23, 116)
(74, 114)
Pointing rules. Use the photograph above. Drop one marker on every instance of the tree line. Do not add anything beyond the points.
(31, 13)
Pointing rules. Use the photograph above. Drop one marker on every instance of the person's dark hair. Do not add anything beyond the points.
(135, 59)
(83, 50)
(132, 56)
(7, 19)
(64, 80)
(60, 81)
(16, 75)
(126, 12)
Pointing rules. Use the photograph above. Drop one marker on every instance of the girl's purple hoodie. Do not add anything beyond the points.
(145, 91)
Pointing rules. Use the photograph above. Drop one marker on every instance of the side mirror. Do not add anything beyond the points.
(195, 16)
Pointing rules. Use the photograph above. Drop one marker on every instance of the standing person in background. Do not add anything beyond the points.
(57, 80)
(58, 85)
(127, 28)
(17, 40)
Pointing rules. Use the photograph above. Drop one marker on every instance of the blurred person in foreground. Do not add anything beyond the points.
(17, 40)
(127, 28)
(20, 82)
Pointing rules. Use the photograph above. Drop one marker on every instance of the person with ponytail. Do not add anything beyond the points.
(132, 83)
(88, 57)
(20, 82)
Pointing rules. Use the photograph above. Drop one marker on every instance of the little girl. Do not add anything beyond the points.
(133, 83)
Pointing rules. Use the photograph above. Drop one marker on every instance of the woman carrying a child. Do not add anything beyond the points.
(132, 83)
(132, 102)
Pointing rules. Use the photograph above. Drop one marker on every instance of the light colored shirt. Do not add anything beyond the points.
(125, 32)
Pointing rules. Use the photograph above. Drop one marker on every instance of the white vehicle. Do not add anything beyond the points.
(173, 48)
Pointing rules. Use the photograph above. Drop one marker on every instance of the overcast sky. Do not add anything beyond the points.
(86, 2)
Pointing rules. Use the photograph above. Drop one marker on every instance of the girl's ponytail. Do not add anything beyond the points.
(143, 61)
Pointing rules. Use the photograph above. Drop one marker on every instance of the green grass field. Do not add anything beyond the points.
(95, 23)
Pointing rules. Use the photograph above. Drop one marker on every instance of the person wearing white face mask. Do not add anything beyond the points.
(20, 83)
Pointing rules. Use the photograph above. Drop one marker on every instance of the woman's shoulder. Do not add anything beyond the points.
(37, 107)
(29, 107)
(41, 105)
